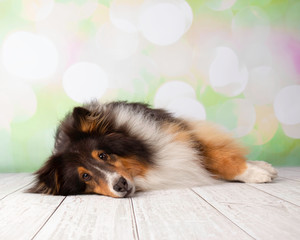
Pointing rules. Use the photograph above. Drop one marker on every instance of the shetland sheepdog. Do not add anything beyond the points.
(118, 148)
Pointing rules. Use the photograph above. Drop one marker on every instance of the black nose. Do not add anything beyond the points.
(121, 185)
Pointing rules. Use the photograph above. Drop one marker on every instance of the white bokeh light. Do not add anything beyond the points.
(220, 5)
(81, 10)
(238, 116)
(116, 44)
(164, 22)
(171, 91)
(205, 51)
(187, 108)
(85, 81)
(37, 10)
(251, 24)
(7, 112)
(256, 54)
(265, 127)
(286, 105)
(226, 74)
(292, 131)
(22, 101)
(125, 74)
(7, 163)
(29, 55)
(263, 85)
(174, 60)
(124, 14)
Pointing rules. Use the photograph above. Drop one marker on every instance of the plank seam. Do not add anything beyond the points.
(243, 230)
(295, 180)
(134, 222)
(273, 195)
(48, 219)
(15, 191)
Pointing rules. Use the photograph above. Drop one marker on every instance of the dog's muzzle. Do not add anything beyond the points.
(123, 187)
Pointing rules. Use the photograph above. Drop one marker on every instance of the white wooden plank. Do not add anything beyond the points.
(90, 217)
(181, 214)
(5, 175)
(290, 173)
(170, 214)
(259, 214)
(10, 182)
(23, 214)
(286, 189)
(297, 169)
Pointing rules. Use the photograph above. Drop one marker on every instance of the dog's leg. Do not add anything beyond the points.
(257, 172)
(225, 158)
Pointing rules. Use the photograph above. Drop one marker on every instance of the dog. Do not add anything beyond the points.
(118, 148)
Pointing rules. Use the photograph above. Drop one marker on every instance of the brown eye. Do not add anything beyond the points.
(86, 177)
(103, 156)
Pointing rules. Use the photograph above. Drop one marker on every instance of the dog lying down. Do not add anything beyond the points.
(117, 148)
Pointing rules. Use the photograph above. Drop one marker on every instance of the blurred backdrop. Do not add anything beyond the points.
(233, 62)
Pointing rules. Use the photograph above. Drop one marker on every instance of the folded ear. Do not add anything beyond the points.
(47, 177)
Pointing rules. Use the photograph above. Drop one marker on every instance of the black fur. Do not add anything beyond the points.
(73, 145)
(59, 176)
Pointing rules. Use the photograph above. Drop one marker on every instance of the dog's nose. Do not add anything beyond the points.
(121, 185)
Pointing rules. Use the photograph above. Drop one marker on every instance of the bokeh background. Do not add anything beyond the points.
(233, 62)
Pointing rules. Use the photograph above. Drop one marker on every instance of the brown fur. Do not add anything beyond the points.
(95, 154)
(134, 157)
(181, 134)
(103, 189)
(95, 185)
(128, 167)
(91, 123)
(223, 156)
(133, 166)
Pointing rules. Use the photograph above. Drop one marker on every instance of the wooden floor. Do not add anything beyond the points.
(224, 211)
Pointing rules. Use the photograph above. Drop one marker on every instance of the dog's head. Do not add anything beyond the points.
(92, 156)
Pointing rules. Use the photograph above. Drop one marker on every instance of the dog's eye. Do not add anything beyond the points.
(103, 156)
(86, 177)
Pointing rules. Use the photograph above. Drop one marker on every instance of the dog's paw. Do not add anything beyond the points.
(257, 172)
(266, 166)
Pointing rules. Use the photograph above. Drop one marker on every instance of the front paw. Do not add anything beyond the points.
(257, 172)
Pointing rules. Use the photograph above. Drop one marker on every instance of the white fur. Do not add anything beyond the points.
(257, 172)
(112, 178)
(177, 163)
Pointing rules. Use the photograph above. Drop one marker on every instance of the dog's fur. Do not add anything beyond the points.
(117, 148)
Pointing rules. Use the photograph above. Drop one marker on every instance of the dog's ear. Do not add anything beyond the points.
(74, 126)
(81, 118)
(47, 178)
(88, 122)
